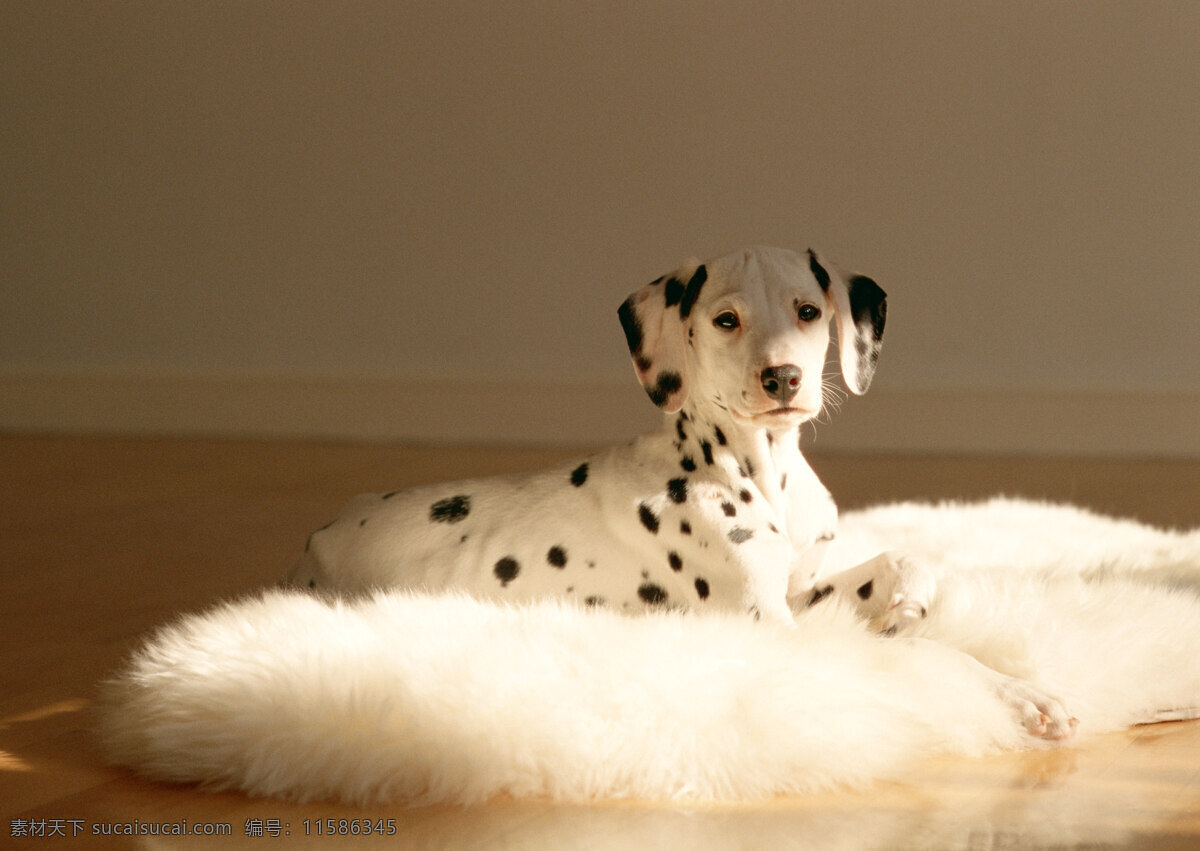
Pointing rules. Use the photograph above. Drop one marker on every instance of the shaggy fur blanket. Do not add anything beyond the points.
(426, 699)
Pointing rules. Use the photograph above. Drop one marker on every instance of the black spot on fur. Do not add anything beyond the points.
(652, 594)
(729, 508)
(720, 435)
(631, 325)
(674, 291)
(771, 526)
(749, 469)
(692, 292)
(667, 385)
(557, 557)
(744, 495)
(362, 522)
(677, 490)
(675, 561)
(685, 528)
(579, 475)
(702, 589)
(688, 465)
(740, 534)
(818, 271)
(820, 594)
(594, 601)
(452, 509)
(679, 428)
(864, 591)
(312, 583)
(706, 448)
(649, 518)
(868, 304)
(506, 570)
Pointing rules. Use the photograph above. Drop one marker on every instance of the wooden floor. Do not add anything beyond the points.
(103, 538)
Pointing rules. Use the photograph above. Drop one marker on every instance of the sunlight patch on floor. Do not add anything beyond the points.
(74, 704)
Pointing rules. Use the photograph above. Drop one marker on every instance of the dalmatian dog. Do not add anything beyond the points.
(718, 510)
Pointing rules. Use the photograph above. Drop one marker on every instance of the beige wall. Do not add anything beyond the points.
(461, 193)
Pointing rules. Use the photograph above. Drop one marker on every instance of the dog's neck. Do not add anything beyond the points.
(713, 438)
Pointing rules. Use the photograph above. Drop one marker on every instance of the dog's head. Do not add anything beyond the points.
(748, 333)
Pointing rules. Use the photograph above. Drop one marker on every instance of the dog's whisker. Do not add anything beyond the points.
(832, 397)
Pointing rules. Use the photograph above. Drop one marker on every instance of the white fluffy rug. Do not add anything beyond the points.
(443, 699)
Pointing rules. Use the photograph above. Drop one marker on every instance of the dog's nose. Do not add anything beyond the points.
(781, 383)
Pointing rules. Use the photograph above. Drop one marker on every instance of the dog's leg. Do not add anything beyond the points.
(891, 591)
(1043, 715)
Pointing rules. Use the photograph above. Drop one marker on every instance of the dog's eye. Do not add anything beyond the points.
(727, 320)
(808, 312)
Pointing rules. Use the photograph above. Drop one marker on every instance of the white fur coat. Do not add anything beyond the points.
(444, 699)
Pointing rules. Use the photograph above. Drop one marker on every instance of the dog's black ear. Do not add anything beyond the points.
(655, 320)
(860, 306)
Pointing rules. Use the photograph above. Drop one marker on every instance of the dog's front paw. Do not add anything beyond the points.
(904, 590)
(1042, 715)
